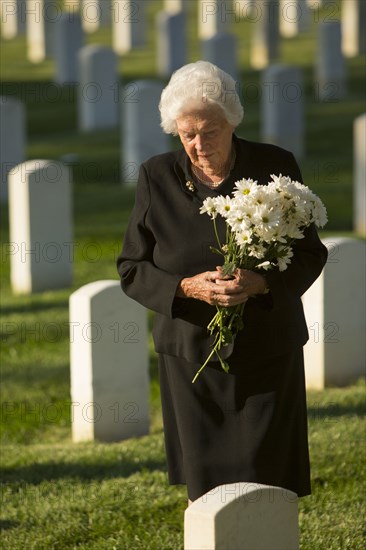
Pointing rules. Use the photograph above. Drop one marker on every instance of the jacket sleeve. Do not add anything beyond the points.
(141, 280)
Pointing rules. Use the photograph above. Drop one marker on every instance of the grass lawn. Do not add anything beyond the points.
(59, 495)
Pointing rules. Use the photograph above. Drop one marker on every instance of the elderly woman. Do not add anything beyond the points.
(249, 424)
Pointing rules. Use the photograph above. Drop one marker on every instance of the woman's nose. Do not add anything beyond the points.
(199, 143)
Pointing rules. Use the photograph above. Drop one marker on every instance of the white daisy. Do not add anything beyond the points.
(209, 207)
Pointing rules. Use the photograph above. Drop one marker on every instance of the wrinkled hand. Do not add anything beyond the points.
(216, 289)
(250, 282)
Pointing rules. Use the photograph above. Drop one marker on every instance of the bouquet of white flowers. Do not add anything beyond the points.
(262, 223)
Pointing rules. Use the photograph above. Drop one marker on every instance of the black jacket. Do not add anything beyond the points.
(168, 239)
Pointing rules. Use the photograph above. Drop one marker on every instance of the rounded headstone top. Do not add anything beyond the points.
(91, 289)
(37, 165)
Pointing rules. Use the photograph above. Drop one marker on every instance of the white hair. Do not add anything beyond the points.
(199, 85)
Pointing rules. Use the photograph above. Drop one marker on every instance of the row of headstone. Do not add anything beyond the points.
(330, 70)
(142, 137)
(102, 102)
(220, 49)
(100, 99)
(47, 37)
(285, 17)
(127, 18)
(214, 16)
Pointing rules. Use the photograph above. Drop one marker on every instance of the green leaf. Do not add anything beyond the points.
(216, 250)
(226, 336)
(228, 268)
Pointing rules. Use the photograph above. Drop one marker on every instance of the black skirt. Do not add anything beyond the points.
(249, 425)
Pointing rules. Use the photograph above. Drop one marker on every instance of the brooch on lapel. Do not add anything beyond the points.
(190, 186)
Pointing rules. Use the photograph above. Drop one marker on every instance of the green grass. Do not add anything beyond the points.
(57, 494)
(116, 495)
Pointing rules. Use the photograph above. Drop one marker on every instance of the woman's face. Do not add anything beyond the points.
(206, 136)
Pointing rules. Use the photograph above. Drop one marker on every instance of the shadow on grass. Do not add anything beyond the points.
(8, 524)
(34, 307)
(38, 473)
(333, 412)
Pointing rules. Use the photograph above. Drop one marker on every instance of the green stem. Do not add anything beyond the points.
(205, 363)
(214, 320)
(216, 234)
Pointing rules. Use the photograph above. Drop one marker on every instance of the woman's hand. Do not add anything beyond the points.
(216, 289)
(250, 282)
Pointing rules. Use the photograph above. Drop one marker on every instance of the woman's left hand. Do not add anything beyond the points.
(250, 282)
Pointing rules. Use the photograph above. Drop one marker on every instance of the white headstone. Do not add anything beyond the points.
(265, 37)
(359, 177)
(335, 313)
(128, 25)
(40, 220)
(245, 516)
(13, 17)
(95, 14)
(41, 18)
(71, 6)
(68, 41)
(142, 136)
(294, 17)
(353, 27)
(171, 42)
(221, 50)
(315, 4)
(330, 66)
(98, 93)
(12, 139)
(174, 6)
(244, 8)
(282, 108)
(109, 364)
(214, 16)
